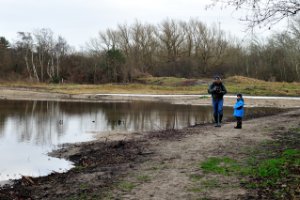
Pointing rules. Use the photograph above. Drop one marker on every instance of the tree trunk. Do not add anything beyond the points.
(297, 71)
(34, 68)
(28, 67)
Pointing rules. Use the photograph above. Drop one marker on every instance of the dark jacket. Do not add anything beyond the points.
(217, 91)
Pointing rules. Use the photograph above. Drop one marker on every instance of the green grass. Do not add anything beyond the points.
(78, 168)
(296, 130)
(269, 171)
(83, 186)
(126, 186)
(224, 166)
(143, 178)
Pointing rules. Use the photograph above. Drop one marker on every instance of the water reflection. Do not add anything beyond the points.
(51, 123)
(30, 129)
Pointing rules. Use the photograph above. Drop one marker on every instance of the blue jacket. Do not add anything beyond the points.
(239, 108)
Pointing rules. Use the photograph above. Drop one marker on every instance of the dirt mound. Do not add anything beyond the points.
(242, 79)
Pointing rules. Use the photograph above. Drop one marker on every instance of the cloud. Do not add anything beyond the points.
(79, 20)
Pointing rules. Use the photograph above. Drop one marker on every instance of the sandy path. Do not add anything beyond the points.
(174, 162)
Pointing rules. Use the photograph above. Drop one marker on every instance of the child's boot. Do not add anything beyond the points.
(238, 125)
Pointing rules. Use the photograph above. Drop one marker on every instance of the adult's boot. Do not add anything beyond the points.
(215, 118)
(221, 117)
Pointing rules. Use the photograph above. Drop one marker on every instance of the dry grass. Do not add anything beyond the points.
(252, 86)
(167, 85)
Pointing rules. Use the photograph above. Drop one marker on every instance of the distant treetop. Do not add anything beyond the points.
(263, 12)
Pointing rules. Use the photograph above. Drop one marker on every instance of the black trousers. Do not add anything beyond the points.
(239, 122)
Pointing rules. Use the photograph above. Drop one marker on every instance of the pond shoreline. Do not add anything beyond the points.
(132, 166)
(251, 101)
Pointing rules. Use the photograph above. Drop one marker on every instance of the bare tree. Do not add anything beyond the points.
(188, 34)
(60, 50)
(109, 39)
(266, 12)
(295, 29)
(144, 45)
(210, 45)
(171, 36)
(44, 44)
(27, 44)
(124, 38)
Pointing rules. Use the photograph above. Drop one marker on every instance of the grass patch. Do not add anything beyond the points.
(296, 130)
(83, 186)
(126, 186)
(211, 183)
(78, 168)
(271, 168)
(195, 190)
(159, 166)
(196, 177)
(268, 172)
(223, 166)
(202, 185)
(143, 178)
(279, 174)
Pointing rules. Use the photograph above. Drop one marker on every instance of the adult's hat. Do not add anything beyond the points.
(217, 78)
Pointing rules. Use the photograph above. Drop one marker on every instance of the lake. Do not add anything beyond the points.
(31, 129)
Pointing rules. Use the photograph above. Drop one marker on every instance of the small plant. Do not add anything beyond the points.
(223, 166)
(196, 177)
(78, 168)
(210, 183)
(126, 186)
(143, 178)
(271, 168)
(84, 186)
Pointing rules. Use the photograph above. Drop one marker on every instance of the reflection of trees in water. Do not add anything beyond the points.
(34, 121)
(2, 123)
(140, 115)
(43, 122)
(153, 116)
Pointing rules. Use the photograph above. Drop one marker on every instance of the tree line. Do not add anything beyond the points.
(177, 48)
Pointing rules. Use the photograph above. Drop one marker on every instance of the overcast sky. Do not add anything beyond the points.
(80, 20)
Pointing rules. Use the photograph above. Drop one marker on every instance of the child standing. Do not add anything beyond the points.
(239, 111)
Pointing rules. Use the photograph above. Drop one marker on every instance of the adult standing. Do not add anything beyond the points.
(217, 91)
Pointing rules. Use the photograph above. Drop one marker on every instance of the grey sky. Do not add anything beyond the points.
(80, 20)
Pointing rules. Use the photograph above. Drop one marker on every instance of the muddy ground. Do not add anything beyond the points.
(165, 164)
